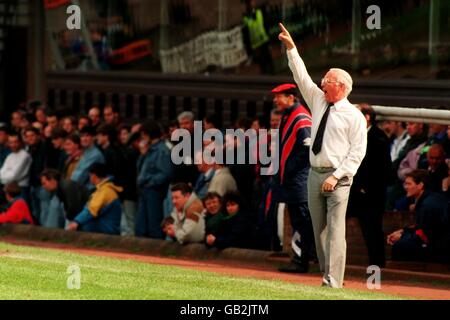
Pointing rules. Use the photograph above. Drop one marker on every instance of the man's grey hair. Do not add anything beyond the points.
(345, 78)
(186, 115)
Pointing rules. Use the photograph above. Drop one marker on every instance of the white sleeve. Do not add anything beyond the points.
(358, 147)
(18, 171)
(309, 90)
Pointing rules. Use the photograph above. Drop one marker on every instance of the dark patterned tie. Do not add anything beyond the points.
(318, 142)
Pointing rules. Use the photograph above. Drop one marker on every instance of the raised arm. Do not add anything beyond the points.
(309, 90)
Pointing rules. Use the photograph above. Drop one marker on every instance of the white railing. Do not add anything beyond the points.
(413, 115)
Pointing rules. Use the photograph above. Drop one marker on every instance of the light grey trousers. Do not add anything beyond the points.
(127, 223)
(328, 212)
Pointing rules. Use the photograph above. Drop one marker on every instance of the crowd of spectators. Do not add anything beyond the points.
(97, 173)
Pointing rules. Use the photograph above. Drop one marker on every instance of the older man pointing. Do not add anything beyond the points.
(339, 142)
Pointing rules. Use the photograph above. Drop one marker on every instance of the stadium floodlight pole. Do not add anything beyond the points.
(413, 115)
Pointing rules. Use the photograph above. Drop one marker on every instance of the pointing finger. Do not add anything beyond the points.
(283, 28)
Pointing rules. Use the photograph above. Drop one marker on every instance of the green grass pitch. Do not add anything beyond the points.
(34, 273)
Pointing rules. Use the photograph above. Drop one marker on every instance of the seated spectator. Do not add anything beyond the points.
(167, 224)
(236, 229)
(91, 155)
(189, 223)
(213, 212)
(437, 167)
(418, 133)
(17, 165)
(16, 211)
(428, 239)
(103, 211)
(437, 135)
(70, 194)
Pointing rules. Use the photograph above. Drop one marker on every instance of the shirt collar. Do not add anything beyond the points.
(342, 103)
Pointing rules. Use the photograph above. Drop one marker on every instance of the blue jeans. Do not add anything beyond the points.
(150, 213)
(52, 211)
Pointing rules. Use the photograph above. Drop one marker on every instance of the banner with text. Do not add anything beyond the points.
(216, 48)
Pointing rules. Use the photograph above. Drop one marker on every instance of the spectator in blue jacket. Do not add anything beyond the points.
(91, 155)
(103, 211)
(155, 171)
(429, 238)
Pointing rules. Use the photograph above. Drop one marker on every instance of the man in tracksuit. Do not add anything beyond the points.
(292, 177)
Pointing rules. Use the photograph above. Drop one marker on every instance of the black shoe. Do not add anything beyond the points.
(294, 267)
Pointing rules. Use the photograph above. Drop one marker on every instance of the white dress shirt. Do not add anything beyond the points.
(16, 168)
(345, 140)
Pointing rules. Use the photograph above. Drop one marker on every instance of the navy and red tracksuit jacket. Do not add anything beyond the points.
(295, 140)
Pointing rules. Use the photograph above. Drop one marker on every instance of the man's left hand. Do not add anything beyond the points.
(330, 184)
(72, 227)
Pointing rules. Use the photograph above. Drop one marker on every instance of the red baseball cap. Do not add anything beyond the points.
(287, 88)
